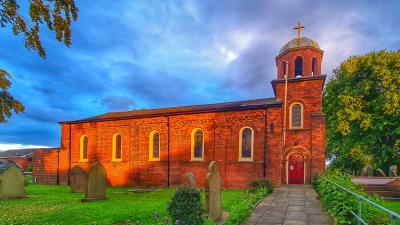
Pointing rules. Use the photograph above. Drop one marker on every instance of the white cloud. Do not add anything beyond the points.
(9, 146)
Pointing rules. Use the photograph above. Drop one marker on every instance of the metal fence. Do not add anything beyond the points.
(394, 217)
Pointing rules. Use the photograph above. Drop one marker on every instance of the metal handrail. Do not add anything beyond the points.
(393, 216)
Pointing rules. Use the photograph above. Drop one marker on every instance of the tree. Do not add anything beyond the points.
(362, 103)
(55, 14)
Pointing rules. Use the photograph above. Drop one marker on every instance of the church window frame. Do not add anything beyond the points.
(292, 123)
(314, 63)
(193, 144)
(284, 69)
(117, 146)
(83, 148)
(241, 158)
(298, 66)
(152, 137)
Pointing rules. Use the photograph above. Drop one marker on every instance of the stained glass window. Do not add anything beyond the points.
(118, 146)
(296, 115)
(84, 147)
(247, 136)
(298, 66)
(198, 144)
(156, 145)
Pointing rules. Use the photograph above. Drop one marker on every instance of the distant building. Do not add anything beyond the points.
(21, 157)
(280, 138)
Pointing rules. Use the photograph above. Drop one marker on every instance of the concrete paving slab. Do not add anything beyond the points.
(290, 205)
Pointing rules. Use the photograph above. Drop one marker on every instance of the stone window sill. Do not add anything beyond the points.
(197, 160)
(154, 160)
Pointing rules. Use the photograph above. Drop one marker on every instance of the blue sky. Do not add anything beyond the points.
(149, 54)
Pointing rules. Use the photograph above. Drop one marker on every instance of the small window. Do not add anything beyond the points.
(296, 111)
(83, 148)
(154, 145)
(117, 147)
(197, 144)
(299, 66)
(284, 69)
(246, 144)
(314, 66)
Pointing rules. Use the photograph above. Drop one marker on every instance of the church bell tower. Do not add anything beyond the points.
(299, 87)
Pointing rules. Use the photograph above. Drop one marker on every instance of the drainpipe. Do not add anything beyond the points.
(69, 149)
(169, 135)
(265, 145)
(58, 167)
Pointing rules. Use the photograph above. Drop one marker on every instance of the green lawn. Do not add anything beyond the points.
(48, 204)
(394, 206)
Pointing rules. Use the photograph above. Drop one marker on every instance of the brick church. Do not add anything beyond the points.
(280, 138)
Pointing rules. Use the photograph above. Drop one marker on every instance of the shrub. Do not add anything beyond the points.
(240, 211)
(261, 183)
(186, 206)
(340, 203)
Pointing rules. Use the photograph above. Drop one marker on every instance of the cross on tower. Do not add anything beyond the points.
(298, 28)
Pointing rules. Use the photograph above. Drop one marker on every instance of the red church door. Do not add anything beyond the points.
(296, 169)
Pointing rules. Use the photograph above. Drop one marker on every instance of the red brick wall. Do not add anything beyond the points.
(44, 166)
(221, 135)
(307, 55)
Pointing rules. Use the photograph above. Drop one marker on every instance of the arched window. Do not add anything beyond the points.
(117, 147)
(284, 69)
(83, 148)
(197, 144)
(246, 144)
(298, 66)
(314, 66)
(154, 145)
(296, 116)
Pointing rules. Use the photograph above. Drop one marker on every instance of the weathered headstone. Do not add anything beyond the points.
(96, 183)
(12, 180)
(191, 180)
(78, 178)
(213, 192)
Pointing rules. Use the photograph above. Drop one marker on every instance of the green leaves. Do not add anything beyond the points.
(8, 104)
(362, 103)
(56, 14)
(339, 203)
(186, 206)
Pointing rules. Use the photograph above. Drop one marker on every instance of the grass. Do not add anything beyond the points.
(394, 206)
(49, 204)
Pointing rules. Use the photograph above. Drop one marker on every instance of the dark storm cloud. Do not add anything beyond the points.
(149, 54)
(118, 103)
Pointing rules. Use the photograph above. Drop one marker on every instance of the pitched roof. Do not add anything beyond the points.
(19, 152)
(16, 153)
(217, 107)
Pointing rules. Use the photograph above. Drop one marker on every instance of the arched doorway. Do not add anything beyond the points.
(296, 169)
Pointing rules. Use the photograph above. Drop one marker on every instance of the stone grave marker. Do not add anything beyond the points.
(213, 192)
(96, 183)
(12, 180)
(191, 180)
(78, 179)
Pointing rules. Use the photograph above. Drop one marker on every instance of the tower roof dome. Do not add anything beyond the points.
(298, 43)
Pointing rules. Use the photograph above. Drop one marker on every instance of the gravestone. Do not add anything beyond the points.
(96, 183)
(191, 180)
(213, 192)
(78, 179)
(12, 180)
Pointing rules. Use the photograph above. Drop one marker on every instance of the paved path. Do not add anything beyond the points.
(290, 204)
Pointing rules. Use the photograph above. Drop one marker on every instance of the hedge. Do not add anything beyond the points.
(339, 203)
